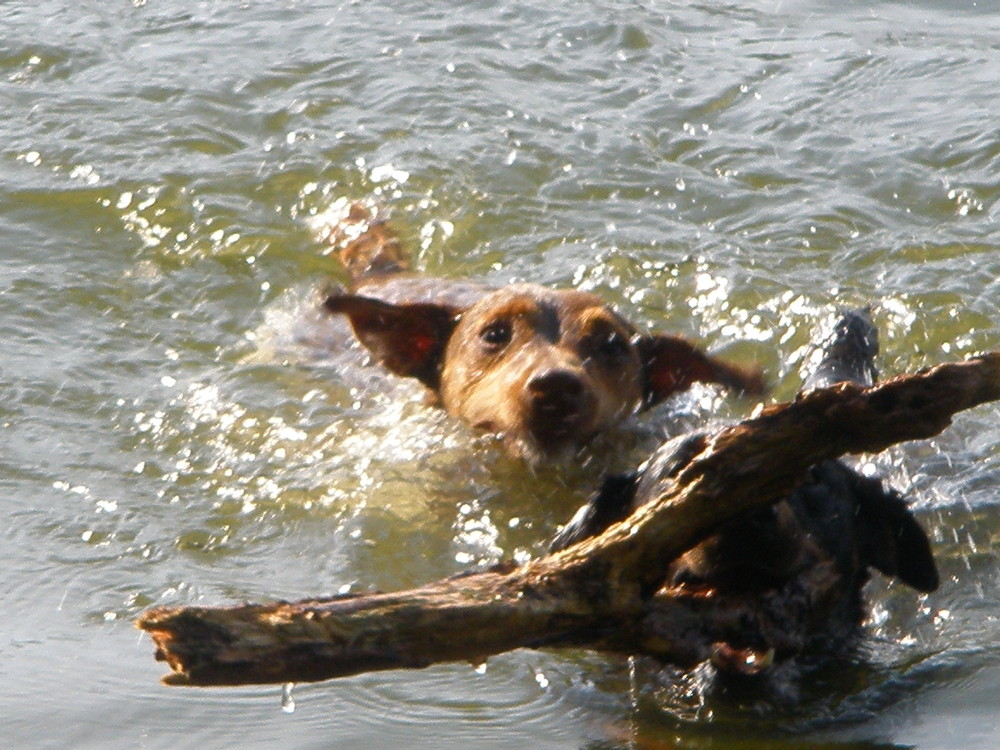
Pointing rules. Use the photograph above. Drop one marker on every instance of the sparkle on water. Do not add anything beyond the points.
(180, 426)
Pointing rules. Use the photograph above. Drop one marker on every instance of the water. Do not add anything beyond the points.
(287, 700)
(175, 431)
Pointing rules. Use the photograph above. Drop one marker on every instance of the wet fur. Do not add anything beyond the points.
(546, 369)
(837, 522)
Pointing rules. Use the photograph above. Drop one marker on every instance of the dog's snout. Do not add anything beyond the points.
(556, 385)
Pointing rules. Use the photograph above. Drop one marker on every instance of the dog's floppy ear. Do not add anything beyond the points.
(672, 363)
(892, 539)
(409, 339)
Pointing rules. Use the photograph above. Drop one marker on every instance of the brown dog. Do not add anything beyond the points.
(546, 369)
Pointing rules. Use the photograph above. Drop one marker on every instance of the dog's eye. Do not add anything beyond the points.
(497, 334)
(609, 346)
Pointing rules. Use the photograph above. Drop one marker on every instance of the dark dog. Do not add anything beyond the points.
(838, 522)
(546, 369)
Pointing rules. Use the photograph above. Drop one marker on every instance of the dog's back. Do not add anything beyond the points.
(837, 514)
(837, 519)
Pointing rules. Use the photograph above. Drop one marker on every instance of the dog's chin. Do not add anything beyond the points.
(543, 450)
(537, 448)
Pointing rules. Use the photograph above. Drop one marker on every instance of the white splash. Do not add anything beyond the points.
(287, 701)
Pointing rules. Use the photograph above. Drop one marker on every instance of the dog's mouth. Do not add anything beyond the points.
(548, 450)
(555, 433)
(552, 436)
(556, 426)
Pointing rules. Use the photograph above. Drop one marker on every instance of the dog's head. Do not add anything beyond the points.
(546, 369)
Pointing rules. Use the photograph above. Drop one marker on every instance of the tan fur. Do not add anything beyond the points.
(556, 337)
(546, 369)
(364, 243)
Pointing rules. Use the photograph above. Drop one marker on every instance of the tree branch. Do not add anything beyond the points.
(603, 593)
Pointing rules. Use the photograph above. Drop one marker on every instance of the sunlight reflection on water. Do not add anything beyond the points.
(179, 426)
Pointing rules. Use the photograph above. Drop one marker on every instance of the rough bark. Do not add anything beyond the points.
(603, 593)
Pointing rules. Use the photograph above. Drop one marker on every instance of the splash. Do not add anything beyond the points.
(287, 701)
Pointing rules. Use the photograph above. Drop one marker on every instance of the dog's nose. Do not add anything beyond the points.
(556, 386)
(559, 409)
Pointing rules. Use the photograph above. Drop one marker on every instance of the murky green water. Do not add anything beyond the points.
(175, 431)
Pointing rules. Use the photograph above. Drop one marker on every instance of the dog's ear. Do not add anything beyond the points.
(891, 538)
(409, 339)
(672, 363)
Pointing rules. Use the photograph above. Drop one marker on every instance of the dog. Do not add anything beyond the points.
(545, 369)
(837, 522)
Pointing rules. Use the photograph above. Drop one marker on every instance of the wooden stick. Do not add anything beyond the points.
(602, 593)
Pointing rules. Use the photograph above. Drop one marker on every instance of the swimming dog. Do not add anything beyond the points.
(546, 369)
(837, 522)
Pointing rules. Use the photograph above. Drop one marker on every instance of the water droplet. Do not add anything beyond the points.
(287, 701)
(680, 184)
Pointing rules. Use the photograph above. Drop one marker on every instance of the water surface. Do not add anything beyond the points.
(176, 429)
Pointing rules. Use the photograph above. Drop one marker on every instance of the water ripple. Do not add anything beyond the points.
(179, 426)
